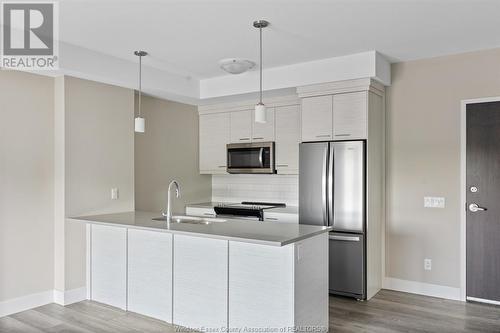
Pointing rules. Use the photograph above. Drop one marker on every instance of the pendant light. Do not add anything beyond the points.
(139, 122)
(260, 108)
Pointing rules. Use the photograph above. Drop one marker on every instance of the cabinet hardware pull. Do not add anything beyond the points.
(282, 165)
(258, 138)
(271, 219)
(222, 166)
(342, 134)
(209, 214)
(244, 139)
(323, 136)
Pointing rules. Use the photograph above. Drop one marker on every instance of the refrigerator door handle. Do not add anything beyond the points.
(344, 238)
(330, 185)
(324, 187)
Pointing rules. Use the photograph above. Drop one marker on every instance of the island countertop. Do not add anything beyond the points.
(257, 232)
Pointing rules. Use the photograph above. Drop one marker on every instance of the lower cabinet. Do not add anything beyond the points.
(109, 265)
(206, 284)
(200, 282)
(261, 286)
(281, 217)
(150, 273)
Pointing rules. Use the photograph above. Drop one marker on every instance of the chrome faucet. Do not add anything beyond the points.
(168, 214)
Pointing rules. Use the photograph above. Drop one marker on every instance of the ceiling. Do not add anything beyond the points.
(189, 37)
(308, 41)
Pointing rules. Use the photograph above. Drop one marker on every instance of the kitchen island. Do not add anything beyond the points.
(226, 275)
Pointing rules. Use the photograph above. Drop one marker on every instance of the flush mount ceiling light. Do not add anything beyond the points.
(236, 65)
(139, 122)
(260, 108)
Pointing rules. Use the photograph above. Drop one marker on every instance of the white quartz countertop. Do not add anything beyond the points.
(275, 234)
(282, 210)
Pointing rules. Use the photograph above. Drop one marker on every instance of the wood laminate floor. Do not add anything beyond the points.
(389, 311)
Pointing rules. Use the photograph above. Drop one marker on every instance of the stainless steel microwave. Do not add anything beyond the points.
(256, 157)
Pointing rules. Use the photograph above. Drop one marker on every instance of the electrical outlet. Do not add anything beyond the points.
(114, 193)
(434, 202)
(428, 264)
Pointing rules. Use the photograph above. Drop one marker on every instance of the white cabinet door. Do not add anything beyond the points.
(263, 131)
(350, 116)
(261, 287)
(281, 217)
(150, 273)
(214, 135)
(109, 265)
(200, 282)
(241, 126)
(199, 211)
(287, 139)
(317, 118)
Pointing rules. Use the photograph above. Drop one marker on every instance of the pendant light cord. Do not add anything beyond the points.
(260, 30)
(140, 83)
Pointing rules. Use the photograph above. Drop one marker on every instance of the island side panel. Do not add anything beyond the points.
(200, 282)
(261, 290)
(311, 284)
(150, 273)
(109, 265)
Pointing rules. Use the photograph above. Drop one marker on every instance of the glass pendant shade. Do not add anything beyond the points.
(260, 113)
(139, 125)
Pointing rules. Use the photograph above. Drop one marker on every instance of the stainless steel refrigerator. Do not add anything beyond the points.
(332, 192)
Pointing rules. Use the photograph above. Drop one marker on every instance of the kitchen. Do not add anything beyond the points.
(305, 194)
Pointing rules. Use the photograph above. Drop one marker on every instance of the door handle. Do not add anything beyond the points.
(261, 157)
(473, 207)
(344, 238)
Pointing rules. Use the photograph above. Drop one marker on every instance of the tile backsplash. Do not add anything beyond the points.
(266, 188)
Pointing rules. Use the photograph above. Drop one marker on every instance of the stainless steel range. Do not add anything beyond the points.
(246, 209)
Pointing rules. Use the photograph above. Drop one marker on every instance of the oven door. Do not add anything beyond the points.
(250, 157)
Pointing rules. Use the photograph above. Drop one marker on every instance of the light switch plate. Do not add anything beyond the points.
(428, 264)
(434, 202)
(114, 193)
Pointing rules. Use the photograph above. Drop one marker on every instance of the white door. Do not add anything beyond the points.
(150, 273)
(350, 112)
(109, 265)
(241, 126)
(263, 131)
(287, 139)
(214, 135)
(317, 118)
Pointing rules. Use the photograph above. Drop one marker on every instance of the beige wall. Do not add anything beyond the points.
(98, 155)
(168, 150)
(423, 159)
(26, 184)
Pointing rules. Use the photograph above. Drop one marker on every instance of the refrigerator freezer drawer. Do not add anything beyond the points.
(347, 265)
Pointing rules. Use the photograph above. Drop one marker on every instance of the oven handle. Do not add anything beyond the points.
(261, 157)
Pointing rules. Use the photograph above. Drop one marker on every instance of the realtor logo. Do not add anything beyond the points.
(29, 35)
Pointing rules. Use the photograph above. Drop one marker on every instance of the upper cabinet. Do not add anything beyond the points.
(244, 128)
(340, 116)
(287, 139)
(263, 131)
(214, 135)
(241, 126)
(350, 116)
(317, 118)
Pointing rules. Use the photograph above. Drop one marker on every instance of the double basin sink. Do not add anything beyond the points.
(191, 219)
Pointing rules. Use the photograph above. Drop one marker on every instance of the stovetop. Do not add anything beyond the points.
(252, 205)
(246, 209)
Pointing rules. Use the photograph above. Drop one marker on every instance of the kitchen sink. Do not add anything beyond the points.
(190, 219)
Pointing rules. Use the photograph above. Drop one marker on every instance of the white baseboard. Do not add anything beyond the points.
(23, 303)
(70, 296)
(27, 302)
(422, 288)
